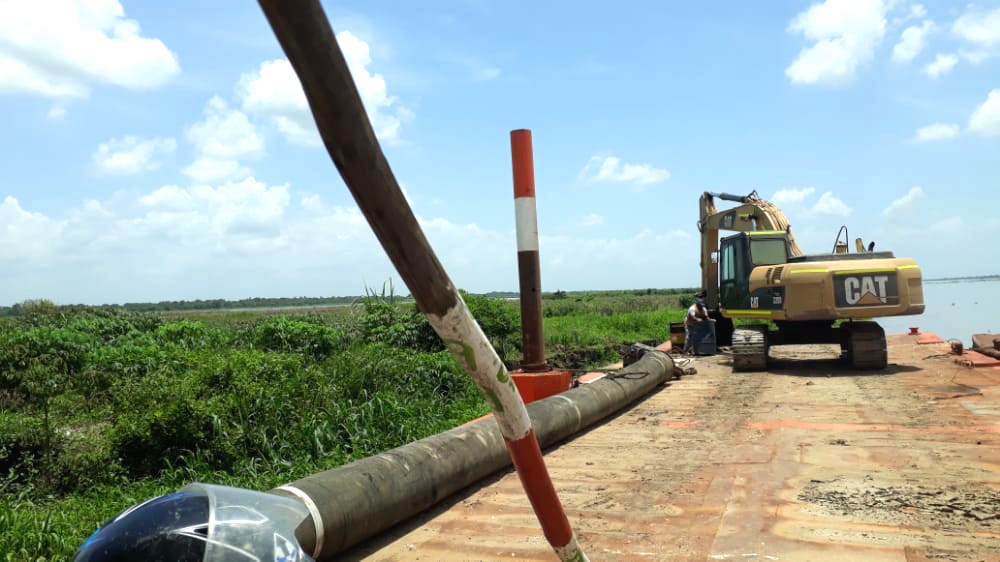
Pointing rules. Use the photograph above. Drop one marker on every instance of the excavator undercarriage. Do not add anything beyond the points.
(862, 344)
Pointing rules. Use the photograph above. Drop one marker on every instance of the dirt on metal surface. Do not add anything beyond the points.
(808, 461)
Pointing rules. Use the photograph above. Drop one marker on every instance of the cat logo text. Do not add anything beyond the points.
(875, 289)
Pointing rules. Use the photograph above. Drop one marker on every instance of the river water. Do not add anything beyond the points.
(954, 310)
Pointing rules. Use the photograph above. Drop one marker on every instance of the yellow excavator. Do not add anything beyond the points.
(762, 274)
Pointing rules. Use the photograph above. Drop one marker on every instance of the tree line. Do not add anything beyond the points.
(284, 302)
(198, 304)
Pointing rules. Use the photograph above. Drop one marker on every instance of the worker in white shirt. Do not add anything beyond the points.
(696, 313)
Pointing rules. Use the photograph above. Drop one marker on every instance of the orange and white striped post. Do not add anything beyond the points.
(528, 267)
(534, 379)
(524, 451)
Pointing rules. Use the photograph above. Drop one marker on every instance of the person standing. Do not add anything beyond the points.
(696, 314)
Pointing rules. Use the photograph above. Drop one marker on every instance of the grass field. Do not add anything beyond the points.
(100, 409)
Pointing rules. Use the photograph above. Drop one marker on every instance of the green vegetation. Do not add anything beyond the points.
(102, 407)
(585, 329)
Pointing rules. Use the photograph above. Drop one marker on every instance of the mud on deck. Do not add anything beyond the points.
(805, 462)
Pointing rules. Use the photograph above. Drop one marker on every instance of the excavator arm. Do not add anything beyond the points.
(753, 214)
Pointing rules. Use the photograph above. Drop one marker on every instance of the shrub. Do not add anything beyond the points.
(499, 320)
(383, 320)
(39, 363)
(298, 336)
(22, 450)
(60, 349)
(185, 333)
(108, 325)
(281, 408)
(227, 406)
(129, 360)
(37, 312)
(390, 396)
(36, 459)
(160, 419)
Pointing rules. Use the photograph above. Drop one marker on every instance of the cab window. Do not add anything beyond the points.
(728, 270)
(768, 251)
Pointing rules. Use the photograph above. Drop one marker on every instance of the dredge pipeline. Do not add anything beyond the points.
(357, 501)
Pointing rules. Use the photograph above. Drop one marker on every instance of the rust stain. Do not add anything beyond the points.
(971, 358)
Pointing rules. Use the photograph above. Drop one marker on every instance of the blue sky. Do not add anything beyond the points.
(152, 154)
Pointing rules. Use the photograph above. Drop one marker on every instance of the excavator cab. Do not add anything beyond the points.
(738, 256)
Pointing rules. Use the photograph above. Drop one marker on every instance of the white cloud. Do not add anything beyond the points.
(979, 27)
(936, 132)
(845, 34)
(25, 233)
(904, 205)
(985, 120)
(486, 73)
(58, 48)
(593, 219)
(613, 169)
(949, 225)
(273, 91)
(911, 42)
(477, 68)
(791, 196)
(675, 234)
(225, 133)
(946, 246)
(57, 111)
(131, 155)
(977, 56)
(917, 12)
(941, 65)
(190, 228)
(575, 261)
(830, 205)
(247, 238)
(211, 170)
(245, 206)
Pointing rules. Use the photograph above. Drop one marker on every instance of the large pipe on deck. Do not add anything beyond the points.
(357, 501)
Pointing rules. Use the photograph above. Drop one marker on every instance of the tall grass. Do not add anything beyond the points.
(601, 329)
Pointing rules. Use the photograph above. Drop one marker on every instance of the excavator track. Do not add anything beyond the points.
(865, 345)
(750, 349)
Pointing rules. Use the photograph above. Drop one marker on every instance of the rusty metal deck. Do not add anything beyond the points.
(806, 462)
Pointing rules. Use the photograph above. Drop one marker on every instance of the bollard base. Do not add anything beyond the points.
(535, 386)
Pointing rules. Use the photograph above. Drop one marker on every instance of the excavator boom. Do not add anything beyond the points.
(753, 214)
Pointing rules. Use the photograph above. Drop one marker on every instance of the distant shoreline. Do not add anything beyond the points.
(978, 278)
(307, 303)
